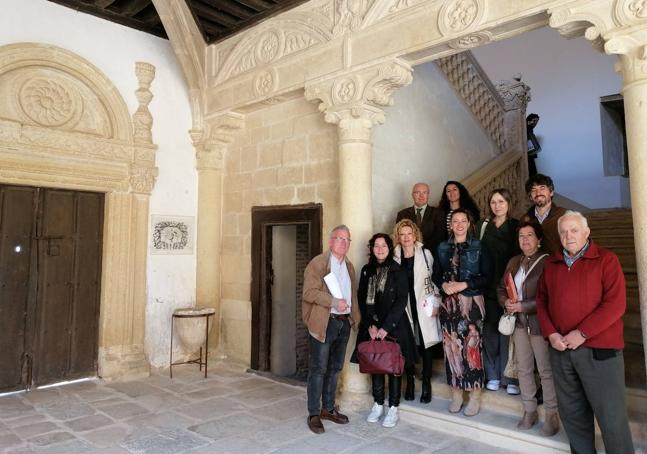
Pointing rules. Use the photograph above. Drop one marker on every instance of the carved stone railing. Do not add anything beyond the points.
(475, 88)
(504, 171)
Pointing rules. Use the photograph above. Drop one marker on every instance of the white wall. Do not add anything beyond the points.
(114, 49)
(429, 135)
(567, 78)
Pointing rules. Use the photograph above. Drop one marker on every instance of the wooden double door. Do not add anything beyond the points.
(50, 271)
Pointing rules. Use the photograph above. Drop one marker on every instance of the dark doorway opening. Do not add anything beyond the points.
(284, 240)
(50, 270)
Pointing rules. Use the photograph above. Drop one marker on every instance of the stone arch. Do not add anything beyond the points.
(63, 124)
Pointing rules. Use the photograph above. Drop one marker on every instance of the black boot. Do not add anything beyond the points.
(411, 387)
(425, 396)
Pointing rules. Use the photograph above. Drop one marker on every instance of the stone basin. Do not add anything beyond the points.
(190, 326)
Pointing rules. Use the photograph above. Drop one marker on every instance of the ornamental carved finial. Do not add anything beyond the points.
(142, 118)
(515, 93)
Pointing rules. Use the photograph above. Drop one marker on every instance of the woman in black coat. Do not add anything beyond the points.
(382, 297)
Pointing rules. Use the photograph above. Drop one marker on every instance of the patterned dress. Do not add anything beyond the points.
(461, 319)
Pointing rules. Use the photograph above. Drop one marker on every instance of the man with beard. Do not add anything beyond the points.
(540, 189)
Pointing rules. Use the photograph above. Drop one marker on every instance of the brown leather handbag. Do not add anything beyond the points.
(380, 357)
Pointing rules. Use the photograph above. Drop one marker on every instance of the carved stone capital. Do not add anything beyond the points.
(514, 93)
(359, 95)
(632, 50)
(142, 179)
(223, 127)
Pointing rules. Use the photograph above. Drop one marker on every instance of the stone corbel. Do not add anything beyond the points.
(210, 146)
(359, 96)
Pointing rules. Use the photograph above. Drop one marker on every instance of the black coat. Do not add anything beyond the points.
(389, 310)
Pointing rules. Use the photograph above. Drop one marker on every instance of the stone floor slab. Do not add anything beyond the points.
(89, 423)
(9, 440)
(50, 438)
(107, 437)
(31, 430)
(283, 410)
(124, 411)
(241, 423)
(389, 445)
(72, 447)
(170, 442)
(212, 408)
(134, 388)
(234, 445)
(65, 409)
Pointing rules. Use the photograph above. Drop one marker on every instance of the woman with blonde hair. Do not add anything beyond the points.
(422, 306)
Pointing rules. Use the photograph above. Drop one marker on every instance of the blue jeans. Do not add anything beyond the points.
(325, 363)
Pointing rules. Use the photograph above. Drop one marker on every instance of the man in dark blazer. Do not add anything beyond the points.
(425, 217)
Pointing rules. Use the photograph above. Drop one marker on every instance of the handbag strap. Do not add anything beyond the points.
(536, 262)
(425, 257)
(483, 227)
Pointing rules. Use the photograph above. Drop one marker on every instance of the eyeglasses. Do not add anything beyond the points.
(341, 238)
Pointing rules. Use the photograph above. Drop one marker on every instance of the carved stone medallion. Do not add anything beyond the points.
(265, 82)
(630, 11)
(470, 41)
(459, 15)
(345, 90)
(269, 47)
(48, 102)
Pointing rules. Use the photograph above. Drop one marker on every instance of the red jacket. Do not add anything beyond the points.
(591, 297)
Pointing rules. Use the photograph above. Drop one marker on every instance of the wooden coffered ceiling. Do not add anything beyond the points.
(216, 19)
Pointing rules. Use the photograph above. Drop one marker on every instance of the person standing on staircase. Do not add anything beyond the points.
(540, 190)
(425, 217)
(581, 299)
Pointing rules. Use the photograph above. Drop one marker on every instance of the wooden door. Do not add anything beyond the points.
(62, 287)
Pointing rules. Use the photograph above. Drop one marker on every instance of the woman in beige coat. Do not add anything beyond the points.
(418, 263)
(529, 344)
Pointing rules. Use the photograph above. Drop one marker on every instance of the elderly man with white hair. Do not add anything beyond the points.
(580, 302)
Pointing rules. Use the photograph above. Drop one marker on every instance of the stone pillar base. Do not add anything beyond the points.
(123, 363)
(354, 401)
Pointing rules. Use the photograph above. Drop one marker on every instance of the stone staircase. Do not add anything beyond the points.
(613, 229)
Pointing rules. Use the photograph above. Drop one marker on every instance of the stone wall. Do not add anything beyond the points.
(286, 155)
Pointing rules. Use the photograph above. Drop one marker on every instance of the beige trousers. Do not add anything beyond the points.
(528, 349)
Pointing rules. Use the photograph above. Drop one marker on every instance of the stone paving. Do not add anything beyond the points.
(229, 412)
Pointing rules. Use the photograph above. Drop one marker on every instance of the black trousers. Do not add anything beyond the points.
(395, 389)
(591, 382)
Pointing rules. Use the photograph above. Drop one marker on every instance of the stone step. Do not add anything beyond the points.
(500, 412)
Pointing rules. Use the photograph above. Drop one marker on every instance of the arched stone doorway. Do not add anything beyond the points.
(63, 124)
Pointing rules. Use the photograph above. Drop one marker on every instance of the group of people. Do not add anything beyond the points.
(440, 278)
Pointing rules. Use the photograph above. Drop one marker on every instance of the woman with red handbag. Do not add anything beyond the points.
(382, 298)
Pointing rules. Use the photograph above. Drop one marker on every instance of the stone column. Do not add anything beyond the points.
(632, 50)
(355, 101)
(210, 152)
(516, 95)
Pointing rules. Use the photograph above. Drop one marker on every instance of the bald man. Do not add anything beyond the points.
(424, 216)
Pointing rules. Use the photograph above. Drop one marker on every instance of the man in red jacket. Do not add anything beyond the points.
(580, 302)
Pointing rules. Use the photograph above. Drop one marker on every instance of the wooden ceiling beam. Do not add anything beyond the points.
(134, 7)
(102, 4)
(226, 6)
(205, 12)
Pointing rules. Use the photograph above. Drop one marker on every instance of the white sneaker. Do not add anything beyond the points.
(493, 385)
(391, 418)
(513, 390)
(376, 413)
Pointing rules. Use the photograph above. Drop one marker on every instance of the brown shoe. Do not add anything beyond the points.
(551, 425)
(315, 425)
(334, 416)
(528, 420)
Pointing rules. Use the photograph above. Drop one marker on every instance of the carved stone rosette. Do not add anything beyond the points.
(142, 118)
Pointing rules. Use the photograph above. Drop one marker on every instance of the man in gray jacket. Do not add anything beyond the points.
(329, 320)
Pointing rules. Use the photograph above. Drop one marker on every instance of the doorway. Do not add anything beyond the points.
(50, 271)
(284, 240)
